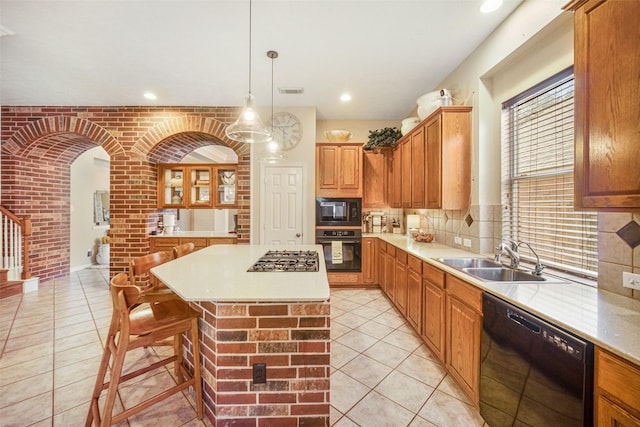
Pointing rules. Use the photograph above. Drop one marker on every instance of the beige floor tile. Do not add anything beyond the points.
(408, 342)
(341, 354)
(366, 312)
(11, 358)
(61, 311)
(450, 387)
(444, 410)
(173, 411)
(23, 330)
(33, 320)
(421, 422)
(28, 411)
(430, 373)
(389, 318)
(357, 340)
(345, 422)
(78, 371)
(72, 395)
(387, 353)
(25, 389)
(19, 342)
(78, 340)
(78, 328)
(349, 319)
(334, 415)
(405, 390)
(423, 351)
(72, 320)
(375, 408)
(25, 369)
(73, 355)
(375, 329)
(366, 370)
(338, 329)
(345, 305)
(345, 391)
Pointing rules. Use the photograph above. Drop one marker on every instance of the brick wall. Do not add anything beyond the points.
(40, 143)
(291, 338)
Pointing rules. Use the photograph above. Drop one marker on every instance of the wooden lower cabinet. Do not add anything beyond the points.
(616, 391)
(414, 293)
(368, 260)
(390, 272)
(401, 281)
(166, 244)
(381, 256)
(464, 329)
(433, 309)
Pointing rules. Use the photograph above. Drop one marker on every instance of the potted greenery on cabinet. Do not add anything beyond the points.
(381, 138)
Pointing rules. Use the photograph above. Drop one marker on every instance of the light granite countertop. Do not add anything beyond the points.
(609, 320)
(219, 273)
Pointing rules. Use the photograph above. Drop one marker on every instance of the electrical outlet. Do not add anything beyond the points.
(89, 252)
(259, 373)
(457, 240)
(630, 280)
(467, 243)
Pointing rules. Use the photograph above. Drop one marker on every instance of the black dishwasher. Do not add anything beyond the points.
(532, 373)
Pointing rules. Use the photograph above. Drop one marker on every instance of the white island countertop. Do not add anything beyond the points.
(219, 273)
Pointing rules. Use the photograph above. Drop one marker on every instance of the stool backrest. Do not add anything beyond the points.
(120, 284)
(139, 268)
(183, 249)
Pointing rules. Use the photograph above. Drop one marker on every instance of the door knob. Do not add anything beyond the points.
(297, 234)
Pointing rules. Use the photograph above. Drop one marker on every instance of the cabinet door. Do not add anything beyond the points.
(165, 244)
(434, 318)
(201, 183)
(395, 179)
(607, 89)
(374, 192)
(327, 157)
(390, 275)
(349, 169)
(368, 260)
(381, 263)
(433, 154)
(405, 185)
(171, 186)
(417, 169)
(227, 181)
(400, 296)
(464, 326)
(610, 414)
(456, 158)
(414, 299)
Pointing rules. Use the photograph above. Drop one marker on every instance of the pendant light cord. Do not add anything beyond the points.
(250, 8)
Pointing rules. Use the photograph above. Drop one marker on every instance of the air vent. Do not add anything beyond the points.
(290, 90)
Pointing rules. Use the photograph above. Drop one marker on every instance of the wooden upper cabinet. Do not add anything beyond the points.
(433, 177)
(394, 192)
(197, 185)
(339, 170)
(405, 173)
(607, 111)
(417, 168)
(374, 182)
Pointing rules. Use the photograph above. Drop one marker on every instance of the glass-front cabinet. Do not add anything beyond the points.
(208, 185)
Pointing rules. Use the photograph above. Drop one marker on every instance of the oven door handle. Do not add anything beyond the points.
(321, 242)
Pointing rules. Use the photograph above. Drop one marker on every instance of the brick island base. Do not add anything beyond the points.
(291, 338)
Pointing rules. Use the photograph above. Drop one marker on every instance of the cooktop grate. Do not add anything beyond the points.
(286, 261)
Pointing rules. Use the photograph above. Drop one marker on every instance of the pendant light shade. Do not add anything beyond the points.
(273, 153)
(248, 127)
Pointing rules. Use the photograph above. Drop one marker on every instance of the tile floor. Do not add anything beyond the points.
(51, 343)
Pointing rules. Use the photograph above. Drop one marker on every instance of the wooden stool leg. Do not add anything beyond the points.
(116, 373)
(179, 352)
(196, 366)
(94, 408)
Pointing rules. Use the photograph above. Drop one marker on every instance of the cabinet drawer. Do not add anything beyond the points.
(165, 242)
(401, 256)
(465, 292)
(382, 245)
(415, 264)
(433, 274)
(199, 242)
(618, 378)
(222, 241)
(391, 250)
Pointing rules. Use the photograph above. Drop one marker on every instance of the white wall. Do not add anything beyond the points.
(89, 173)
(533, 43)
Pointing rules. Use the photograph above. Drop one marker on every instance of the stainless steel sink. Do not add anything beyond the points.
(503, 274)
(462, 263)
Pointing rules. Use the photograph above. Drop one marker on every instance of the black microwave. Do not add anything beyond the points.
(336, 212)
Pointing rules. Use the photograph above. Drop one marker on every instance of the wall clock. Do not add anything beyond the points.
(287, 130)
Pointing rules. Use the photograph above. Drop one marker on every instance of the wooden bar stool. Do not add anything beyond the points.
(140, 320)
(139, 269)
(183, 249)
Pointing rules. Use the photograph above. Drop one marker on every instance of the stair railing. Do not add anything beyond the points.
(14, 244)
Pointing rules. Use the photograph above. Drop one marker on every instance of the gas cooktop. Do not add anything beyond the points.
(285, 261)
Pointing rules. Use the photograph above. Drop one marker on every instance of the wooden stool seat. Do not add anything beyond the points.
(140, 319)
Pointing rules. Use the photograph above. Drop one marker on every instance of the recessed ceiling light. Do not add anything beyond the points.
(489, 6)
(150, 95)
(345, 97)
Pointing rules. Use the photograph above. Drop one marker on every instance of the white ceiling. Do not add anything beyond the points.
(386, 53)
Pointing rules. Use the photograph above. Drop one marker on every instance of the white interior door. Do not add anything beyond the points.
(283, 206)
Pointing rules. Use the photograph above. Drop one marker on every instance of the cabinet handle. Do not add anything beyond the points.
(297, 234)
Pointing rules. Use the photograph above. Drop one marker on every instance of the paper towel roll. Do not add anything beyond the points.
(413, 221)
(168, 220)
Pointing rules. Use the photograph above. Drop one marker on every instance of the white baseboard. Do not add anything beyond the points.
(30, 285)
(79, 267)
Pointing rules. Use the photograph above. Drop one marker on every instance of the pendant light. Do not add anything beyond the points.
(248, 127)
(273, 152)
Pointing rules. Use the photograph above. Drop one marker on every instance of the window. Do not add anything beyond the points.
(537, 178)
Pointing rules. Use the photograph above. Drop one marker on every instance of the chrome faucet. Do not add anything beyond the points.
(511, 249)
(537, 270)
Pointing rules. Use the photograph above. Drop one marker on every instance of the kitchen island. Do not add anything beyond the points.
(280, 319)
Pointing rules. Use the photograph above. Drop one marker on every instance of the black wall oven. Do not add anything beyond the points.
(338, 212)
(342, 249)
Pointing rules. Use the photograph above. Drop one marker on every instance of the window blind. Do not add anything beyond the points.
(537, 178)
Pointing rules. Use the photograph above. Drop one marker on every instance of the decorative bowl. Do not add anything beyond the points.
(338, 135)
(408, 124)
